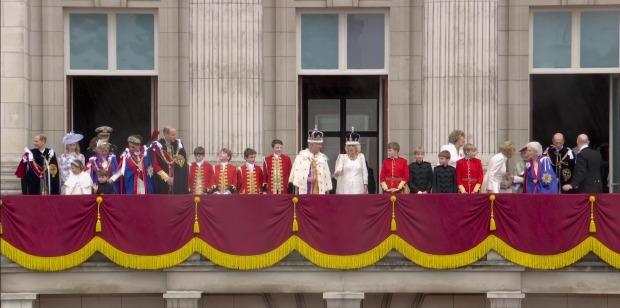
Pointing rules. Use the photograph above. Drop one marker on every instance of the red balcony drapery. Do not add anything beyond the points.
(440, 231)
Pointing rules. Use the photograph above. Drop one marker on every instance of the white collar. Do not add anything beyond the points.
(250, 166)
(583, 147)
(199, 163)
(276, 155)
(224, 163)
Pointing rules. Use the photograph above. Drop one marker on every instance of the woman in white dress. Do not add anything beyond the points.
(497, 179)
(72, 152)
(351, 171)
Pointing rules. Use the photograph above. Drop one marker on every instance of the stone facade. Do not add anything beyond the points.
(455, 57)
(452, 64)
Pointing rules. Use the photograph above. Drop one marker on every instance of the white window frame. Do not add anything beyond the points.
(342, 42)
(112, 70)
(575, 67)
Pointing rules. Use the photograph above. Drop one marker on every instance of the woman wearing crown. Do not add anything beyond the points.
(310, 173)
(351, 172)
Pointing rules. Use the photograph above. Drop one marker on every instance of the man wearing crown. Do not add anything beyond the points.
(310, 173)
(169, 163)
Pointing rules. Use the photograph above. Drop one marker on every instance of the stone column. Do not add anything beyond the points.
(460, 73)
(17, 300)
(343, 299)
(505, 299)
(182, 299)
(14, 88)
(226, 75)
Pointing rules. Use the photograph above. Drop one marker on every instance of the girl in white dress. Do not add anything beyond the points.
(351, 171)
(79, 182)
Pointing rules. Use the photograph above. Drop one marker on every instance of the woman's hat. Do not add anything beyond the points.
(71, 138)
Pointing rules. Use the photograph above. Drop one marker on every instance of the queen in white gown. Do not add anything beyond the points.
(351, 172)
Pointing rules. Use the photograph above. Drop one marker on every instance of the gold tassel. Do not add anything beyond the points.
(492, 226)
(295, 223)
(393, 222)
(592, 228)
(0, 222)
(99, 200)
(196, 225)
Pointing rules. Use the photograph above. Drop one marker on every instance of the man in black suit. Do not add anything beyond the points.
(587, 174)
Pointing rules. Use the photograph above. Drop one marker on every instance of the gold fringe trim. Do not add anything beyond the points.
(442, 261)
(546, 262)
(48, 264)
(343, 262)
(246, 262)
(609, 256)
(349, 261)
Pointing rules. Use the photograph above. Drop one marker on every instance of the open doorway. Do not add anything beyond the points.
(337, 103)
(125, 103)
(574, 104)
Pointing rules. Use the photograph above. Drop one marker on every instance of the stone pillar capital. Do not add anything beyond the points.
(182, 299)
(505, 299)
(343, 299)
(17, 300)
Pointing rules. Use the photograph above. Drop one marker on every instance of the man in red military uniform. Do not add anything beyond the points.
(200, 174)
(394, 173)
(249, 175)
(224, 175)
(277, 169)
(469, 173)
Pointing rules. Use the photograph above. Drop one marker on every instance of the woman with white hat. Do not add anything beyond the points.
(72, 152)
(350, 171)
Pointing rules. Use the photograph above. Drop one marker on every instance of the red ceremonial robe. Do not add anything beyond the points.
(250, 182)
(469, 175)
(277, 172)
(200, 179)
(394, 173)
(224, 178)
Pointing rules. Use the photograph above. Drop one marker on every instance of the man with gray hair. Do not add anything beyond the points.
(587, 175)
(539, 174)
(562, 159)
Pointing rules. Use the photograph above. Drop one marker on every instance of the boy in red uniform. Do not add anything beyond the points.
(277, 169)
(249, 175)
(200, 174)
(225, 174)
(469, 173)
(394, 173)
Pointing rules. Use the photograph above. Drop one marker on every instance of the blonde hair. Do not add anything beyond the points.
(418, 151)
(455, 135)
(507, 148)
(469, 147)
(77, 147)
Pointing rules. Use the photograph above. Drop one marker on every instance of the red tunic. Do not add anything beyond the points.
(250, 182)
(277, 172)
(394, 173)
(200, 179)
(223, 179)
(469, 175)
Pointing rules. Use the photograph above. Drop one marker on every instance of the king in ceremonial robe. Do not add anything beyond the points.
(310, 173)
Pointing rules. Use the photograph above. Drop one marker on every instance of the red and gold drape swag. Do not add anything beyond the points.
(439, 231)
